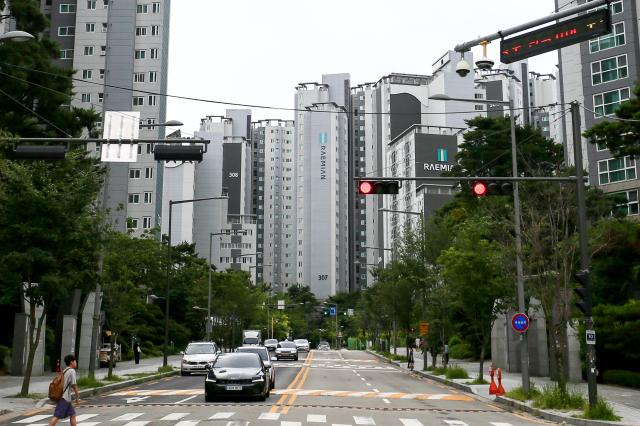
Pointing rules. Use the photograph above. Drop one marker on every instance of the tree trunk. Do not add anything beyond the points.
(34, 338)
(111, 355)
(395, 338)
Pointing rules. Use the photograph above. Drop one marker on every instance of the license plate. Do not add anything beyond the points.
(231, 388)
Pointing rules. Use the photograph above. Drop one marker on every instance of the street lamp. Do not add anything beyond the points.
(211, 235)
(166, 310)
(18, 36)
(524, 348)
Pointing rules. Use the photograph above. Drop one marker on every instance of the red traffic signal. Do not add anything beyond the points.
(479, 188)
(369, 187)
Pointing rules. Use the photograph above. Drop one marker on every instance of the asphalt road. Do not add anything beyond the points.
(334, 388)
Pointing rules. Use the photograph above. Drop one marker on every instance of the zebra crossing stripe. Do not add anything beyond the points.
(410, 422)
(34, 419)
(126, 417)
(363, 420)
(88, 423)
(455, 423)
(137, 423)
(187, 423)
(316, 418)
(221, 415)
(269, 416)
(174, 416)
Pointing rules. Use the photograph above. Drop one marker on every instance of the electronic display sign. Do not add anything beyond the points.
(556, 36)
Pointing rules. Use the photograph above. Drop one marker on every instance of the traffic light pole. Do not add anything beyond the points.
(584, 250)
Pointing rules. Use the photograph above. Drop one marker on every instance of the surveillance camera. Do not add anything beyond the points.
(463, 68)
(485, 64)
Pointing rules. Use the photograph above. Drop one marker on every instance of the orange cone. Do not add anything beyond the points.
(493, 389)
(500, 390)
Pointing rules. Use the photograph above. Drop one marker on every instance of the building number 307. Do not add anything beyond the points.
(323, 277)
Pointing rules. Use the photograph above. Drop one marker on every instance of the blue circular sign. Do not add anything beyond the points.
(520, 323)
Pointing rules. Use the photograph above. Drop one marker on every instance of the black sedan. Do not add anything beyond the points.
(237, 374)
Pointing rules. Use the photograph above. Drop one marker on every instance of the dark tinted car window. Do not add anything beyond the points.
(271, 342)
(287, 345)
(259, 351)
(238, 361)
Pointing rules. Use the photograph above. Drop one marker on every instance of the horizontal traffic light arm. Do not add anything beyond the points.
(474, 178)
(101, 140)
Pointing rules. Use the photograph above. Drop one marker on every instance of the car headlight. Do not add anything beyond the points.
(258, 378)
(184, 361)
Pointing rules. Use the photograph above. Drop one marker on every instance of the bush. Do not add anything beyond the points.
(456, 372)
(394, 357)
(165, 369)
(630, 379)
(459, 349)
(438, 371)
(555, 398)
(601, 411)
(518, 393)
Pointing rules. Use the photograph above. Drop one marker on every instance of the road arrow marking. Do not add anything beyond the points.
(135, 399)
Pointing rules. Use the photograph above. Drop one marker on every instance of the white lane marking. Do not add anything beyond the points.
(376, 390)
(363, 420)
(34, 419)
(386, 400)
(221, 415)
(339, 424)
(88, 423)
(136, 399)
(455, 423)
(269, 416)
(362, 378)
(186, 399)
(368, 384)
(174, 416)
(237, 423)
(188, 423)
(125, 417)
(290, 424)
(137, 423)
(80, 418)
(501, 424)
(316, 418)
(411, 422)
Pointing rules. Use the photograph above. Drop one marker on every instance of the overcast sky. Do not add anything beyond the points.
(256, 51)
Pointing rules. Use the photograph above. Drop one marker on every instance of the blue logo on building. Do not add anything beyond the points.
(323, 138)
(442, 155)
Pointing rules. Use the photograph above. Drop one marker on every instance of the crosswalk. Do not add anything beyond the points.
(189, 419)
(335, 366)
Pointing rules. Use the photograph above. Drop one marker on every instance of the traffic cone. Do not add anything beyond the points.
(500, 390)
(493, 389)
(58, 370)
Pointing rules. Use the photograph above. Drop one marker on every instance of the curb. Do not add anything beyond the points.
(508, 403)
(6, 415)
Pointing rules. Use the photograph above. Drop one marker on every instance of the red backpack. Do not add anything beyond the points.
(56, 387)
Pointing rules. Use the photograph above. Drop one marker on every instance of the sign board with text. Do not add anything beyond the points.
(591, 337)
(424, 328)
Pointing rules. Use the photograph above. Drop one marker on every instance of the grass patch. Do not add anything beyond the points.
(456, 372)
(114, 378)
(553, 397)
(165, 369)
(478, 381)
(439, 371)
(138, 375)
(394, 357)
(30, 396)
(518, 393)
(89, 382)
(601, 411)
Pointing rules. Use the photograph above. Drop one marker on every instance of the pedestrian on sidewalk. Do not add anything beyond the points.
(136, 351)
(64, 407)
(445, 355)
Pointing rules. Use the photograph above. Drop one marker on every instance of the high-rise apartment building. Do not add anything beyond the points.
(322, 184)
(274, 202)
(600, 74)
(116, 47)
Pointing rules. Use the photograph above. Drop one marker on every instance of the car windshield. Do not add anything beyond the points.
(301, 341)
(251, 340)
(324, 343)
(287, 345)
(200, 349)
(260, 351)
(271, 342)
(237, 361)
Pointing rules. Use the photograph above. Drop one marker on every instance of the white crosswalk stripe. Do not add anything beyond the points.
(363, 420)
(34, 419)
(316, 418)
(174, 416)
(188, 423)
(238, 423)
(221, 415)
(80, 418)
(126, 417)
(137, 423)
(455, 423)
(290, 424)
(269, 416)
(410, 422)
(501, 424)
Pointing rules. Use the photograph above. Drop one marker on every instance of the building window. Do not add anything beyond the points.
(105, 27)
(133, 223)
(146, 222)
(154, 53)
(134, 173)
(606, 103)
(67, 8)
(609, 70)
(150, 123)
(100, 97)
(86, 74)
(155, 7)
(155, 30)
(616, 170)
(630, 208)
(153, 76)
(88, 51)
(86, 97)
(134, 198)
(90, 27)
(148, 197)
(103, 50)
(91, 4)
(613, 39)
(479, 107)
(101, 73)
(66, 31)
(138, 100)
(105, 4)
(601, 147)
(616, 7)
(148, 172)
(141, 31)
(138, 77)
(66, 54)
(152, 100)
(142, 8)
(140, 54)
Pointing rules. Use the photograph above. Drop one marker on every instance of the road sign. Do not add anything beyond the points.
(520, 322)
(350, 312)
(280, 304)
(424, 328)
(591, 337)
(332, 311)
(553, 37)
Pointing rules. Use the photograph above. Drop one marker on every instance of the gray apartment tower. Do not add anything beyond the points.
(117, 47)
(600, 74)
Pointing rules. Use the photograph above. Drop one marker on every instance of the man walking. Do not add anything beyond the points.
(64, 407)
(136, 352)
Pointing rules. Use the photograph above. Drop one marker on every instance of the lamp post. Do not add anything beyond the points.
(166, 310)
(524, 347)
(211, 235)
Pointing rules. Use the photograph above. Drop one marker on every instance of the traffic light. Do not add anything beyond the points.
(584, 292)
(480, 188)
(369, 187)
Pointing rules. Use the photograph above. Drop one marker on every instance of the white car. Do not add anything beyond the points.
(287, 350)
(197, 357)
(302, 345)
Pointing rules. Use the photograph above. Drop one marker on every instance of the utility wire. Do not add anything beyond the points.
(611, 117)
(35, 113)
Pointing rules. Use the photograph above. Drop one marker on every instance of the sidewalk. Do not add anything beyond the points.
(11, 385)
(625, 401)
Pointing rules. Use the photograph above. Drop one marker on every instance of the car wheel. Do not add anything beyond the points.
(184, 373)
(266, 395)
(209, 398)
(262, 397)
(273, 384)
(296, 358)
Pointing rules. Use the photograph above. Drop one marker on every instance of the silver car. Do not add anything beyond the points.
(266, 360)
(197, 357)
(287, 349)
(323, 346)
(302, 345)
